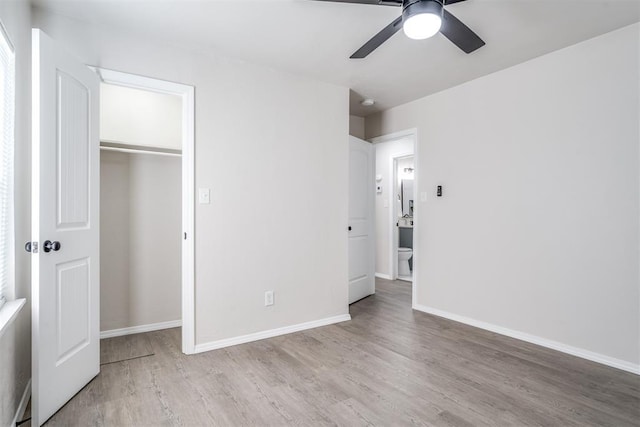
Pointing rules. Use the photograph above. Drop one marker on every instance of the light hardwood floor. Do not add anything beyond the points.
(388, 366)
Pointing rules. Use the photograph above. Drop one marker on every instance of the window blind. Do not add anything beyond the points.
(7, 135)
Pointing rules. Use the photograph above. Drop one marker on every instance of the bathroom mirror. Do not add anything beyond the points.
(406, 195)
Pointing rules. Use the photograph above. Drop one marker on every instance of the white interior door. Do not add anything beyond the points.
(65, 225)
(361, 219)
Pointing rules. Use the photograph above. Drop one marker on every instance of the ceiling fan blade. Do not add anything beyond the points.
(378, 39)
(448, 2)
(461, 35)
(374, 2)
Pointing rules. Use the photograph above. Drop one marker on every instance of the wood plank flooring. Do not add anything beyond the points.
(388, 366)
(113, 350)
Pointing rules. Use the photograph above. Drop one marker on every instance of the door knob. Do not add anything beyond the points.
(51, 246)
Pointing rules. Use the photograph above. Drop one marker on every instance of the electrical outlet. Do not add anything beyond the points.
(268, 298)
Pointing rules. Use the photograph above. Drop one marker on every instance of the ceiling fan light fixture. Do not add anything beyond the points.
(422, 19)
(422, 26)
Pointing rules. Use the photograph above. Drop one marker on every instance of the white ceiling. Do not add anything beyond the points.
(315, 39)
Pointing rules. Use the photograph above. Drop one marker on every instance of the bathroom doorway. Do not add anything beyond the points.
(147, 199)
(403, 211)
(397, 209)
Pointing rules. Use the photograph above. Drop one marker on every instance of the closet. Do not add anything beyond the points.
(140, 212)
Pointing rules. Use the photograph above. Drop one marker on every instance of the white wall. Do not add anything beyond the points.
(273, 149)
(140, 117)
(538, 229)
(385, 230)
(140, 246)
(15, 343)
(356, 126)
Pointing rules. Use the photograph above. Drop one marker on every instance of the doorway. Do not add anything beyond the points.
(147, 198)
(397, 208)
(402, 210)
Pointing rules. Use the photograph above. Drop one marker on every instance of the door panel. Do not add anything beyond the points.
(73, 152)
(72, 308)
(358, 251)
(65, 223)
(361, 219)
(358, 199)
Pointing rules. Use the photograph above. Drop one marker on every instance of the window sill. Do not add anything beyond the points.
(8, 312)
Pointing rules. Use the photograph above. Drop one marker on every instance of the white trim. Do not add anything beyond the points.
(393, 136)
(188, 218)
(5, 34)
(22, 407)
(394, 235)
(139, 329)
(544, 342)
(384, 276)
(416, 209)
(242, 339)
(8, 313)
(188, 185)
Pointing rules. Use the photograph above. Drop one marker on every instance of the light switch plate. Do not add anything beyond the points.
(423, 196)
(204, 196)
(386, 203)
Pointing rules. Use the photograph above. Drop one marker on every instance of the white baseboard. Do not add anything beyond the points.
(24, 401)
(139, 329)
(555, 345)
(228, 342)
(384, 276)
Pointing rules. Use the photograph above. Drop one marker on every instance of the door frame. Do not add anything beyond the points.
(395, 136)
(187, 93)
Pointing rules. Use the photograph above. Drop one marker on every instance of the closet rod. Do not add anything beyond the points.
(138, 149)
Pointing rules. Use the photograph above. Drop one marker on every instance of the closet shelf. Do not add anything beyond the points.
(138, 149)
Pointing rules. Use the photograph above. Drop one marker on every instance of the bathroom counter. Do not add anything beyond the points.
(405, 222)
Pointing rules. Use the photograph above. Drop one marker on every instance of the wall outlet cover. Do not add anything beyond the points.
(268, 298)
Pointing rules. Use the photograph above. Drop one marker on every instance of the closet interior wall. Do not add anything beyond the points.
(140, 239)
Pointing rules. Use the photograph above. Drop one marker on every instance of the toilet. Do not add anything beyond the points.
(404, 255)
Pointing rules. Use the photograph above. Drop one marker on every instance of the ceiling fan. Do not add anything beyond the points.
(420, 19)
